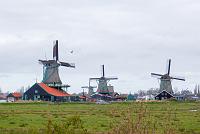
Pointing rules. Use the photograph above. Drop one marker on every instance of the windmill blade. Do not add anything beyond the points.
(111, 78)
(47, 61)
(89, 87)
(154, 74)
(103, 71)
(85, 87)
(67, 64)
(93, 86)
(94, 78)
(55, 50)
(178, 78)
(42, 61)
(169, 67)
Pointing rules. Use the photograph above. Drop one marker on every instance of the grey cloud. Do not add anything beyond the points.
(132, 38)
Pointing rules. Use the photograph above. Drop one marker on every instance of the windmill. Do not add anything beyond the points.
(102, 82)
(50, 69)
(90, 89)
(165, 80)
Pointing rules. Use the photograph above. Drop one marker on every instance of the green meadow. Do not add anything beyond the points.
(88, 118)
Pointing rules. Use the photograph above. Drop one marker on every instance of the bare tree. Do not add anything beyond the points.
(141, 92)
(152, 91)
(186, 92)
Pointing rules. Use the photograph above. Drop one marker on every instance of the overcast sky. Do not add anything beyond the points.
(131, 37)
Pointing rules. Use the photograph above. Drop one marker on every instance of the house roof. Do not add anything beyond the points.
(15, 94)
(102, 95)
(82, 97)
(53, 91)
(164, 91)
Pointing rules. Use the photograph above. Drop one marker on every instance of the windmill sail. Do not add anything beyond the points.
(67, 64)
(103, 71)
(176, 78)
(55, 51)
(111, 78)
(169, 67)
(154, 74)
(94, 78)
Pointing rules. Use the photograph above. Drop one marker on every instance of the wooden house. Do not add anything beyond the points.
(163, 95)
(13, 97)
(42, 92)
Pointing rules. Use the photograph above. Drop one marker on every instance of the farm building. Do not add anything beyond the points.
(120, 97)
(13, 97)
(179, 97)
(131, 97)
(98, 96)
(83, 98)
(163, 95)
(77, 98)
(42, 92)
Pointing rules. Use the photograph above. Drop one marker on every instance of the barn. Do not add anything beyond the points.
(13, 97)
(163, 95)
(42, 92)
(98, 96)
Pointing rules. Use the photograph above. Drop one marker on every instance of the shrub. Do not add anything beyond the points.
(72, 125)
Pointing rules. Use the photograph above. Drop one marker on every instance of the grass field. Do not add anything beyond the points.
(130, 117)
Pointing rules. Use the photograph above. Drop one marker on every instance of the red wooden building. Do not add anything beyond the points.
(13, 97)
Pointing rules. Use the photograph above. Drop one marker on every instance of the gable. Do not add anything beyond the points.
(43, 89)
(164, 94)
(36, 89)
(10, 95)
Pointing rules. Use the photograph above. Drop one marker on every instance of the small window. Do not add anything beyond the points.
(36, 91)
